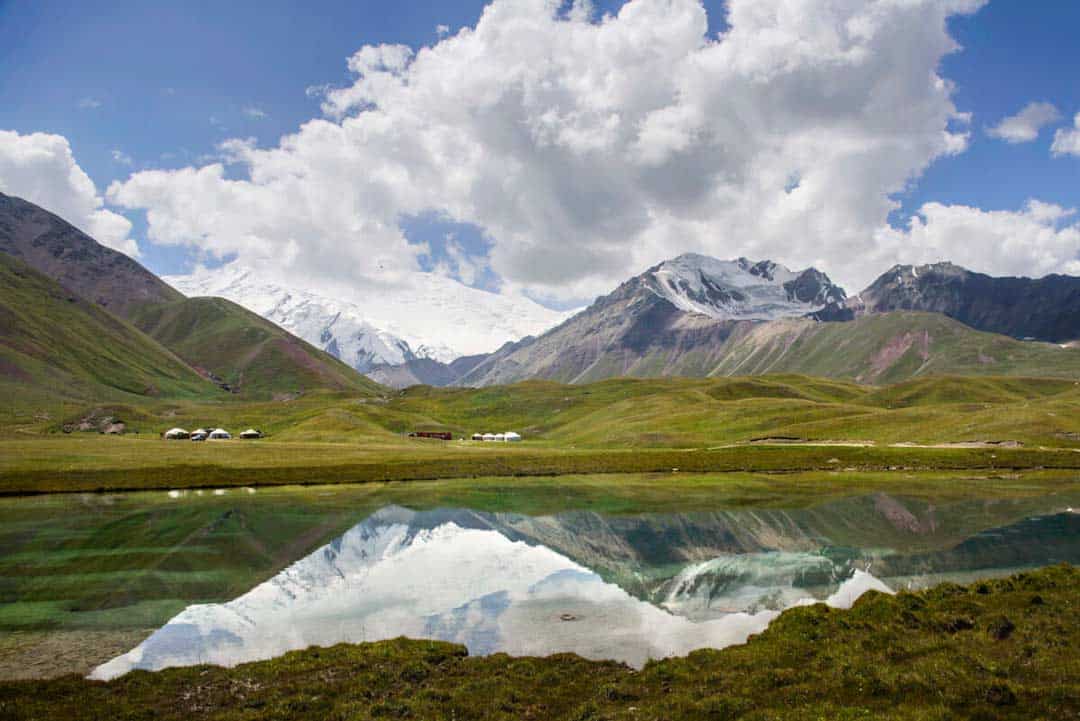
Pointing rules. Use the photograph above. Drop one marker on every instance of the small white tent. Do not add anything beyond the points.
(500, 437)
(199, 435)
(219, 434)
(489, 436)
(251, 433)
(511, 436)
(175, 434)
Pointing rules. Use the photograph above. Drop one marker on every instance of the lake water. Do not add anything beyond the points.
(625, 587)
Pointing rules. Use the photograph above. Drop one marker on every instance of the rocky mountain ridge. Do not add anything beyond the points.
(698, 316)
(1046, 309)
(52, 246)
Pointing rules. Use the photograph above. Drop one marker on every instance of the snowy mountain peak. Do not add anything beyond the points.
(741, 289)
(428, 316)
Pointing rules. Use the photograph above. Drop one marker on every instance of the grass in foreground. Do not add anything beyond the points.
(1000, 649)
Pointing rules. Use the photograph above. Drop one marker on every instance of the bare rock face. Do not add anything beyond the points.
(1042, 309)
(54, 247)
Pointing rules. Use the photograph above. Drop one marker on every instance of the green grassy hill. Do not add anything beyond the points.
(248, 353)
(690, 412)
(54, 343)
(887, 348)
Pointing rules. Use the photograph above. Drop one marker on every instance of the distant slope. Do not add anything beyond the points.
(64, 253)
(244, 351)
(424, 371)
(1044, 308)
(54, 341)
(887, 348)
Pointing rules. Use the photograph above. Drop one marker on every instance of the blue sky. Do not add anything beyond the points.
(137, 85)
(1013, 53)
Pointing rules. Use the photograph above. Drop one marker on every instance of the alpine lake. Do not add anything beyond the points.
(622, 567)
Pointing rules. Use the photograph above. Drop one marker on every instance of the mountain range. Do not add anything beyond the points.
(424, 316)
(698, 316)
(692, 315)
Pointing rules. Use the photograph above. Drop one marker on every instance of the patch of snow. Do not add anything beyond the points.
(730, 289)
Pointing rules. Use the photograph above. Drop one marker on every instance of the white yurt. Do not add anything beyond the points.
(251, 433)
(500, 437)
(478, 436)
(512, 436)
(175, 434)
(489, 436)
(219, 434)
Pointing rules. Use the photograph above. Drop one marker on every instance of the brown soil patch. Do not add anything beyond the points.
(47, 654)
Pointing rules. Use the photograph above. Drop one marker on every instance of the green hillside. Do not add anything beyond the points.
(244, 351)
(54, 343)
(889, 347)
(687, 412)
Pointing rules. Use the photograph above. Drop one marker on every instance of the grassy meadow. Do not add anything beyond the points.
(769, 423)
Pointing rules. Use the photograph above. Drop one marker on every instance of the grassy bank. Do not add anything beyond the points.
(82, 463)
(995, 650)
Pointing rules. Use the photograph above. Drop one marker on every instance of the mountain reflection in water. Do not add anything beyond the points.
(626, 588)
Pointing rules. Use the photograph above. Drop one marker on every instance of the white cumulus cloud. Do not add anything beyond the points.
(1025, 126)
(1067, 140)
(589, 148)
(40, 168)
(1041, 238)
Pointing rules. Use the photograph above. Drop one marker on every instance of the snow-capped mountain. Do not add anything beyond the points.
(429, 316)
(740, 289)
(673, 319)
